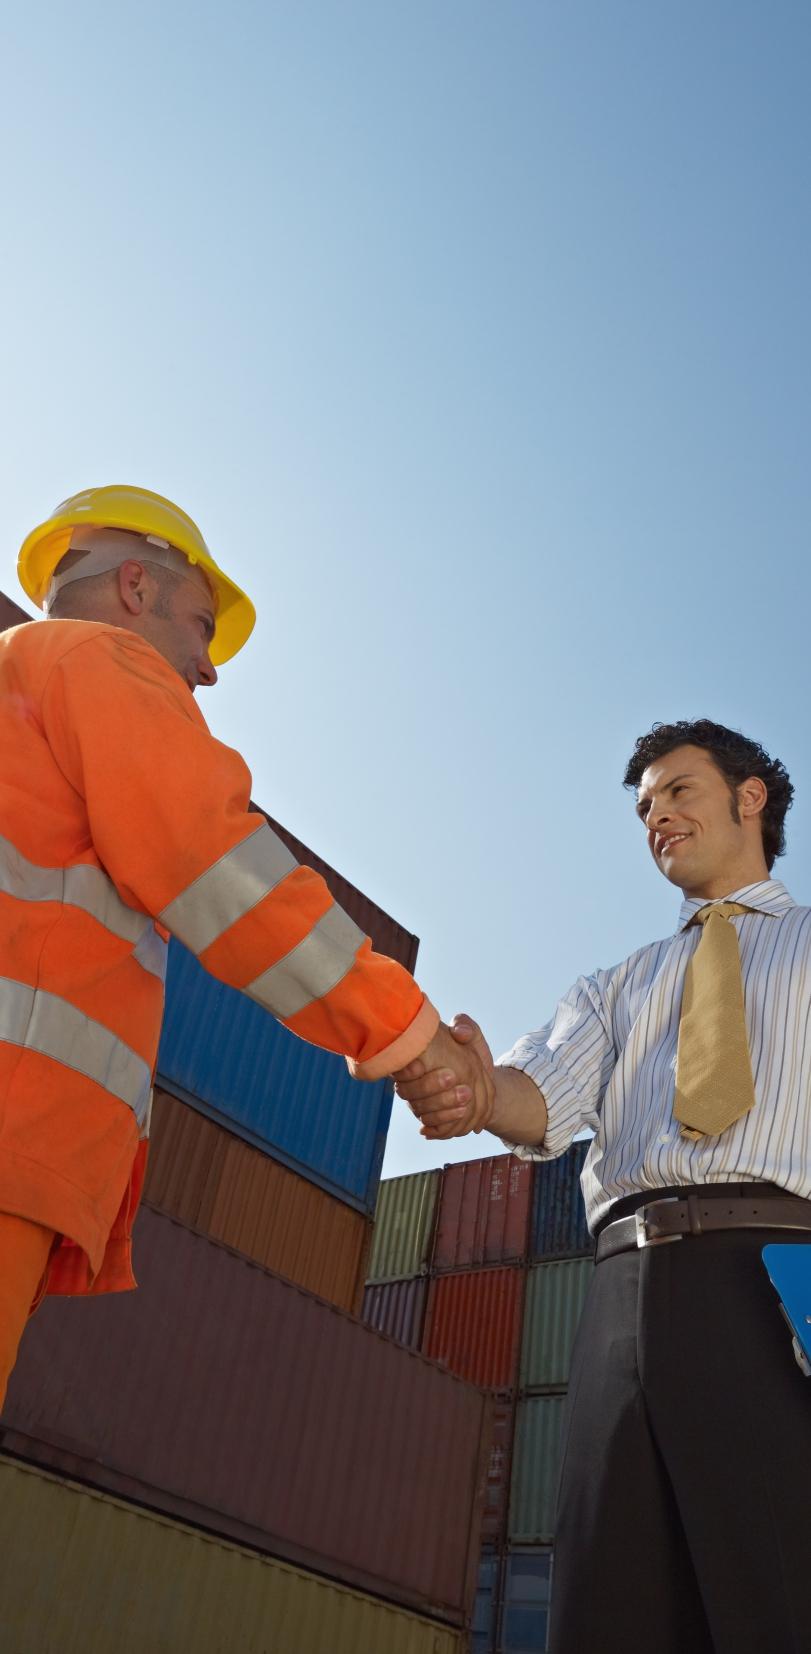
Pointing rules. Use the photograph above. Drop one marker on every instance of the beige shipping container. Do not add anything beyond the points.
(81, 1573)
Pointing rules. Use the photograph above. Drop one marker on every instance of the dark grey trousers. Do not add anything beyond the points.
(684, 1511)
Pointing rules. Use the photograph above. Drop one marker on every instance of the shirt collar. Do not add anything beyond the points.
(769, 896)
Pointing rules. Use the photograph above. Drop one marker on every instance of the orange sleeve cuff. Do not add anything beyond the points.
(403, 1050)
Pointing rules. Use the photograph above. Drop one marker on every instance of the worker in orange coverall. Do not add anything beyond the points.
(122, 822)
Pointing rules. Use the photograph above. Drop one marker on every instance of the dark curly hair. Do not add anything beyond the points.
(736, 757)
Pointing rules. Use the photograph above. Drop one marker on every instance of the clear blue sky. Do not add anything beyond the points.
(476, 338)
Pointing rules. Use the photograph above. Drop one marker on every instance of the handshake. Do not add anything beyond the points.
(451, 1086)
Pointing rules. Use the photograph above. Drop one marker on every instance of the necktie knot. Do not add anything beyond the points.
(724, 910)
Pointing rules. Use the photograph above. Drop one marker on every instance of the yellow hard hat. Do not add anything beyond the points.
(141, 512)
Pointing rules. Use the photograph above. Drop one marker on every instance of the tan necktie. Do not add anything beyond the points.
(714, 1085)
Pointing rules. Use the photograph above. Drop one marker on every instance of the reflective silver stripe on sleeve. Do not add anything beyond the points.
(44, 1022)
(79, 886)
(311, 969)
(228, 890)
(153, 953)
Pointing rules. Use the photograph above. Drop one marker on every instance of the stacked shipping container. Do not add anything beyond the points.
(496, 1294)
(221, 1395)
(91, 1574)
(337, 1479)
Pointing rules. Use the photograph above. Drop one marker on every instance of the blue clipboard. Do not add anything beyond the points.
(789, 1270)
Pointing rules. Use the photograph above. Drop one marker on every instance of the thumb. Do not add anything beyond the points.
(467, 1032)
(464, 1029)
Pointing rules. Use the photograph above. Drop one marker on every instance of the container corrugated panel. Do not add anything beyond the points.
(473, 1324)
(206, 1177)
(186, 1155)
(397, 1308)
(404, 1226)
(221, 1395)
(11, 614)
(556, 1293)
(559, 1217)
(220, 1050)
(484, 1212)
(536, 1459)
(483, 1631)
(496, 1497)
(81, 1573)
(524, 1620)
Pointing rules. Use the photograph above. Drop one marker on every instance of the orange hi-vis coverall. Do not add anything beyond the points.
(122, 821)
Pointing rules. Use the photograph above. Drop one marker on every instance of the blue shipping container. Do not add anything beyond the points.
(559, 1216)
(234, 1061)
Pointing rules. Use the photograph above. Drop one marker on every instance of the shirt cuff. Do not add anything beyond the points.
(403, 1050)
(563, 1120)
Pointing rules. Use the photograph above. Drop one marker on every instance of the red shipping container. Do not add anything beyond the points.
(473, 1324)
(225, 1397)
(397, 1308)
(484, 1213)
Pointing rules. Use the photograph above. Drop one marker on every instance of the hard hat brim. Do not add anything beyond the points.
(47, 544)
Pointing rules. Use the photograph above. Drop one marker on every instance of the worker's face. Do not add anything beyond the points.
(177, 617)
(703, 837)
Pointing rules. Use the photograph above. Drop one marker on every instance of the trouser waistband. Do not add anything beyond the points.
(690, 1212)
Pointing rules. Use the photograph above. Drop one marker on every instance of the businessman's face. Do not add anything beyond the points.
(703, 835)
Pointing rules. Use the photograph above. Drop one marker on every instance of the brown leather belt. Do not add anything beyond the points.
(673, 1218)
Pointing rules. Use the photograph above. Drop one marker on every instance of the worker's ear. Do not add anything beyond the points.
(133, 586)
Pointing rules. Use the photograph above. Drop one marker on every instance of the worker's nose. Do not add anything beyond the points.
(207, 671)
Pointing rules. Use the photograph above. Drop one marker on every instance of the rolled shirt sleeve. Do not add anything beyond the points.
(571, 1060)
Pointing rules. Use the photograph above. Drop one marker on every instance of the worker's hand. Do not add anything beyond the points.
(451, 1087)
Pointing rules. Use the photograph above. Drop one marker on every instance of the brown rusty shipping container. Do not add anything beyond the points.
(221, 1395)
(497, 1490)
(473, 1324)
(11, 614)
(484, 1213)
(213, 1181)
(397, 1308)
(81, 1573)
(387, 935)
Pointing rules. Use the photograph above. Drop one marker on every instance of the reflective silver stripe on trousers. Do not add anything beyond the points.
(229, 889)
(311, 969)
(87, 888)
(44, 1022)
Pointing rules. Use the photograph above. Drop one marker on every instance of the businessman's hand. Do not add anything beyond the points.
(451, 1086)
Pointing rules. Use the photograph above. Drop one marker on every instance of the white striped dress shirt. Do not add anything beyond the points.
(607, 1062)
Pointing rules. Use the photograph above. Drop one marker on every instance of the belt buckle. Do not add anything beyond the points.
(642, 1236)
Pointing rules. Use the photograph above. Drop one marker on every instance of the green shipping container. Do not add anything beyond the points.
(404, 1226)
(81, 1573)
(556, 1293)
(536, 1459)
